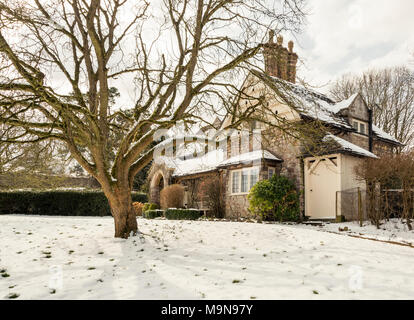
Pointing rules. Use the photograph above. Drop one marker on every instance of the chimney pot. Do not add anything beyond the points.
(271, 36)
(280, 40)
(290, 46)
(280, 61)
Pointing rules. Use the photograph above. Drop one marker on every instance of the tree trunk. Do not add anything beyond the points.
(123, 213)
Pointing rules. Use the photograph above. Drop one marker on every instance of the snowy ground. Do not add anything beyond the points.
(78, 258)
(393, 230)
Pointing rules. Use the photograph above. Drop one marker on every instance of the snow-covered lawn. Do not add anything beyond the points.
(78, 258)
(393, 230)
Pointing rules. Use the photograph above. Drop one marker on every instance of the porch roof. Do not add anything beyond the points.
(250, 157)
(348, 147)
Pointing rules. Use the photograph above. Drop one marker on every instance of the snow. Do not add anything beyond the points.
(307, 102)
(183, 167)
(249, 157)
(382, 134)
(350, 147)
(78, 258)
(393, 230)
(345, 104)
(210, 161)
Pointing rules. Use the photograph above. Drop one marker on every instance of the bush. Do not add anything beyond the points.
(172, 196)
(392, 174)
(183, 214)
(152, 214)
(150, 206)
(138, 206)
(58, 203)
(275, 199)
(211, 193)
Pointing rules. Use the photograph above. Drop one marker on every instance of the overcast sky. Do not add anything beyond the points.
(343, 36)
(350, 36)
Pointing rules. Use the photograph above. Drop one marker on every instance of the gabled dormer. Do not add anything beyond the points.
(359, 116)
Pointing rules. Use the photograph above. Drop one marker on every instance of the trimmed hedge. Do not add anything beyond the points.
(183, 214)
(152, 214)
(150, 206)
(59, 203)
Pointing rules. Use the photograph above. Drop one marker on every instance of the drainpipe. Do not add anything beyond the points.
(370, 129)
(302, 205)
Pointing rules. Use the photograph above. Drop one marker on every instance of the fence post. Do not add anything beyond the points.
(360, 207)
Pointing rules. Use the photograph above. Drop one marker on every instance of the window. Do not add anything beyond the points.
(235, 182)
(270, 172)
(355, 125)
(360, 126)
(243, 180)
(254, 177)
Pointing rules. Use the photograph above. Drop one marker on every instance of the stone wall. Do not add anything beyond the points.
(358, 110)
(289, 151)
(382, 147)
(158, 172)
(236, 206)
(360, 140)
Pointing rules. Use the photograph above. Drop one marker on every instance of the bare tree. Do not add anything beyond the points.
(61, 57)
(389, 93)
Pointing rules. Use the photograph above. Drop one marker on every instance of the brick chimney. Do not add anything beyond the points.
(280, 61)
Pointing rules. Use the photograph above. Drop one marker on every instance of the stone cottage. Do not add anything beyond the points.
(329, 138)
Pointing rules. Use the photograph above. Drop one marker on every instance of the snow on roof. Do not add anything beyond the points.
(344, 104)
(210, 161)
(383, 135)
(317, 105)
(306, 101)
(349, 147)
(183, 167)
(248, 157)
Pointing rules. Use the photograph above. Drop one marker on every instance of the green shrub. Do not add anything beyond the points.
(58, 203)
(276, 199)
(150, 206)
(183, 214)
(152, 214)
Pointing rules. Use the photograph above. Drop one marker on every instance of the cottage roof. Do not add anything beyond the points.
(211, 161)
(348, 147)
(315, 105)
(249, 157)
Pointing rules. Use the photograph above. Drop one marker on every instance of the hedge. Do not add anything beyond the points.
(150, 206)
(59, 203)
(183, 214)
(152, 214)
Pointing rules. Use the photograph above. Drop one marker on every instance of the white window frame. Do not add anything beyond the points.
(249, 176)
(359, 126)
(238, 182)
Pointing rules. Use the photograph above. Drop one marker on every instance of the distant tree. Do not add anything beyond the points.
(389, 93)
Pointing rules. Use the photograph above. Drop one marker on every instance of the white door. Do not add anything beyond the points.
(322, 181)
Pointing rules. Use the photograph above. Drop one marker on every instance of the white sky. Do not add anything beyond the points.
(350, 36)
(344, 36)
